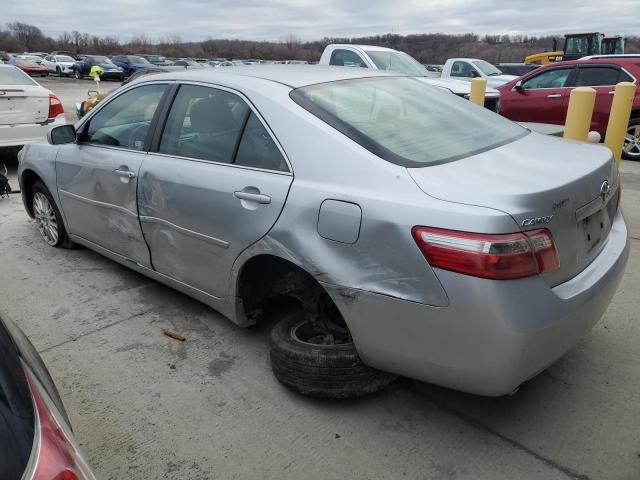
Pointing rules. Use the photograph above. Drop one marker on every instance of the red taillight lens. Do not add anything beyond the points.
(498, 257)
(58, 458)
(55, 107)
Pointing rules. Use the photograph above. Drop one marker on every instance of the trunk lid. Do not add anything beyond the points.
(542, 182)
(20, 104)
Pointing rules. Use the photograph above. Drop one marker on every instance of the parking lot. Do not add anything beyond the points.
(145, 406)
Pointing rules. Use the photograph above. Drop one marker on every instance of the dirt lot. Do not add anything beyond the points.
(145, 406)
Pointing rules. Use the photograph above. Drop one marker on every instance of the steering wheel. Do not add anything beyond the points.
(137, 136)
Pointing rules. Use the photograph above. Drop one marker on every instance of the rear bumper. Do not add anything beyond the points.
(494, 335)
(15, 135)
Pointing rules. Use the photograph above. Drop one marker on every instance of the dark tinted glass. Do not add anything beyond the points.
(597, 76)
(204, 123)
(16, 412)
(257, 149)
(346, 58)
(125, 121)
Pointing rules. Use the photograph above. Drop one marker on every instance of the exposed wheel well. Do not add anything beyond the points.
(635, 113)
(265, 279)
(29, 177)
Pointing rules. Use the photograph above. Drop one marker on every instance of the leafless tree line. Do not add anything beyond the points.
(427, 48)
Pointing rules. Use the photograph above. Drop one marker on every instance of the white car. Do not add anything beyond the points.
(61, 65)
(27, 110)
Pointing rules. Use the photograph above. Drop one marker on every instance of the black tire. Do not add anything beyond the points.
(59, 72)
(77, 73)
(324, 371)
(634, 154)
(63, 240)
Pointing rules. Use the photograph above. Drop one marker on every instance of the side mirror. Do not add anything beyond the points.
(473, 74)
(518, 86)
(61, 135)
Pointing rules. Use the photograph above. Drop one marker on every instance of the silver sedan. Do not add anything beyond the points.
(392, 227)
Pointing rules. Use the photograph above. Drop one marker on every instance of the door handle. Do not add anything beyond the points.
(554, 95)
(253, 197)
(125, 173)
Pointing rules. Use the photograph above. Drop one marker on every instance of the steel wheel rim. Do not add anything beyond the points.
(632, 142)
(45, 218)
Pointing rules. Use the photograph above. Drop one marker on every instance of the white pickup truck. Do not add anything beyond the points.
(381, 58)
(467, 69)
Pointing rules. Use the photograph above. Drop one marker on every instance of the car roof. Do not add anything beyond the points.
(595, 61)
(294, 76)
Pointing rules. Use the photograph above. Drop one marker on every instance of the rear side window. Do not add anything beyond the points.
(204, 123)
(346, 58)
(125, 121)
(211, 124)
(597, 76)
(257, 148)
(556, 78)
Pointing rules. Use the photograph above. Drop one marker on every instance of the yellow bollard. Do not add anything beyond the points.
(619, 118)
(478, 89)
(581, 102)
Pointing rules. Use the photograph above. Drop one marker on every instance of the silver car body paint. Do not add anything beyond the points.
(476, 335)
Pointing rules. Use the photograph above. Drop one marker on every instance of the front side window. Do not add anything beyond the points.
(556, 78)
(204, 123)
(346, 58)
(124, 121)
(597, 76)
(461, 69)
(405, 121)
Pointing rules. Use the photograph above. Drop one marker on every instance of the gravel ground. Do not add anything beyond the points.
(145, 406)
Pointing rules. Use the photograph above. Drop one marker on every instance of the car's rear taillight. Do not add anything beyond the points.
(497, 257)
(57, 458)
(55, 107)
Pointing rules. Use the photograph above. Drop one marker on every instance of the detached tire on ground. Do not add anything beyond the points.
(324, 371)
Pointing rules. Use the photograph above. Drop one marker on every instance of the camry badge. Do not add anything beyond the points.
(528, 222)
(605, 188)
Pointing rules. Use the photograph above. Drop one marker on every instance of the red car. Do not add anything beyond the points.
(543, 95)
(28, 64)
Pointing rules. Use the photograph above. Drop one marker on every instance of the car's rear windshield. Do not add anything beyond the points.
(13, 76)
(405, 121)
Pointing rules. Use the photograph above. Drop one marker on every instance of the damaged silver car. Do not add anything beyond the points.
(399, 229)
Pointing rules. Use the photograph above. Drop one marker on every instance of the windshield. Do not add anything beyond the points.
(405, 121)
(397, 62)
(487, 68)
(135, 59)
(100, 60)
(13, 76)
(28, 60)
(155, 58)
(64, 58)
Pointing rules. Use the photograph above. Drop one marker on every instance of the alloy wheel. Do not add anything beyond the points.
(45, 218)
(632, 142)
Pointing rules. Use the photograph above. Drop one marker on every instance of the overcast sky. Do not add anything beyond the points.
(314, 19)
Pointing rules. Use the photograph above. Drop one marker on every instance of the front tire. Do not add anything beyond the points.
(59, 72)
(631, 147)
(48, 217)
(332, 371)
(78, 74)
